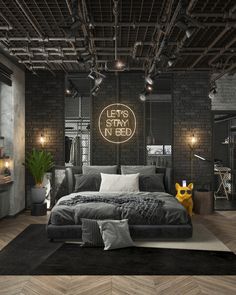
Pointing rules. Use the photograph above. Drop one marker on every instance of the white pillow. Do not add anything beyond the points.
(119, 183)
(115, 234)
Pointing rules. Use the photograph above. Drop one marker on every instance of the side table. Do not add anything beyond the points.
(203, 202)
(39, 209)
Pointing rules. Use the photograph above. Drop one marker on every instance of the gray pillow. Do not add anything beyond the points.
(144, 170)
(152, 183)
(99, 169)
(90, 182)
(115, 234)
(91, 236)
(98, 210)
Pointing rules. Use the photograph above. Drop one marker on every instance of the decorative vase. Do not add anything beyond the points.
(38, 195)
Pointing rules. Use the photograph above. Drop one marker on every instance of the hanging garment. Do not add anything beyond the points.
(75, 152)
(68, 143)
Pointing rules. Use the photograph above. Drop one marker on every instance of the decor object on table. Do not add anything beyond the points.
(184, 196)
(38, 162)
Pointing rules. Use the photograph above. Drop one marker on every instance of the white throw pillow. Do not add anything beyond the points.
(115, 234)
(119, 183)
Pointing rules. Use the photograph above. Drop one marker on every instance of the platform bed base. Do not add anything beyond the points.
(147, 232)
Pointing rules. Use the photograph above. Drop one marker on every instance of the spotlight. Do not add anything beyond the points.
(94, 90)
(98, 81)
(189, 32)
(119, 64)
(149, 80)
(142, 96)
(213, 91)
(149, 88)
(68, 91)
(170, 62)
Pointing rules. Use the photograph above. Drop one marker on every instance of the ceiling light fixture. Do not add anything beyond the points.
(143, 96)
(149, 88)
(189, 32)
(119, 64)
(213, 91)
(149, 80)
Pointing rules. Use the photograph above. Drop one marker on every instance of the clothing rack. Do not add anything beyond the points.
(78, 127)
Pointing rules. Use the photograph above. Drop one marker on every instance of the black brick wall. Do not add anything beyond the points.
(45, 109)
(192, 114)
(123, 88)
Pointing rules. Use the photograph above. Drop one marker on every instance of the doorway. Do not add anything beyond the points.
(224, 143)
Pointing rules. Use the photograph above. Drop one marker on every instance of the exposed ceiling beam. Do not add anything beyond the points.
(31, 21)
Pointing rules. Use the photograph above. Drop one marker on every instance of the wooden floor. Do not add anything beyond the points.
(222, 224)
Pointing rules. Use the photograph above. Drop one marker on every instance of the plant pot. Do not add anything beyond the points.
(38, 195)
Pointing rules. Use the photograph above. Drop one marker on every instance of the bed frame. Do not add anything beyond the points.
(70, 232)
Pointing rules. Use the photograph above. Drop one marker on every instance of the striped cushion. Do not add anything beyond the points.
(91, 236)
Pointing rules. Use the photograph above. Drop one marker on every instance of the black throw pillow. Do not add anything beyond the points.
(89, 182)
(152, 183)
(91, 235)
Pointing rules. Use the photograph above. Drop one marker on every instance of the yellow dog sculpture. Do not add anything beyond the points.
(184, 196)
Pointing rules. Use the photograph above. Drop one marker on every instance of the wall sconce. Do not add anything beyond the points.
(192, 144)
(193, 141)
(42, 140)
(7, 171)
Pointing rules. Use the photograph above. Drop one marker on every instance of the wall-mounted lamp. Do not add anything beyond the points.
(7, 171)
(193, 141)
(42, 140)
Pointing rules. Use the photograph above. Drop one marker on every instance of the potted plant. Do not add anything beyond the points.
(38, 162)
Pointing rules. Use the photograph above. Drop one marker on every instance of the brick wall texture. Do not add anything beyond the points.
(225, 98)
(192, 115)
(45, 110)
(123, 88)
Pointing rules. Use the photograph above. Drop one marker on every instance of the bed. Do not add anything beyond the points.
(151, 214)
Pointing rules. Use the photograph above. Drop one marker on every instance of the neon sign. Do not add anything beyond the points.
(117, 123)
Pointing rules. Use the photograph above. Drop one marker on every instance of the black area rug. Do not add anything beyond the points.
(31, 253)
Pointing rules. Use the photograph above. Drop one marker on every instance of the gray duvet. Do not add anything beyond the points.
(142, 208)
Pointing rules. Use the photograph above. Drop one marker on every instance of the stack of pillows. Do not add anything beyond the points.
(132, 179)
(114, 234)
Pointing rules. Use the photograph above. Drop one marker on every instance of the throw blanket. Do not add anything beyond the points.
(139, 210)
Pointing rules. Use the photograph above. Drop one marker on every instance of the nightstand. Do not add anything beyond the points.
(203, 202)
(39, 209)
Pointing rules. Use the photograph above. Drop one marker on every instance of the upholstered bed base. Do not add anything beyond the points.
(147, 232)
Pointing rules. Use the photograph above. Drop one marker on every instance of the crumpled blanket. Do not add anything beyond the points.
(138, 210)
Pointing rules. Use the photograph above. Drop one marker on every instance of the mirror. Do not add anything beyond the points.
(159, 124)
(77, 120)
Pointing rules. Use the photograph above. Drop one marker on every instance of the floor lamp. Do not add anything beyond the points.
(192, 145)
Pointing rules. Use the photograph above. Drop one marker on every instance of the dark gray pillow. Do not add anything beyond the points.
(143, 170)
(99, 169)
(152, 183)
(91, 236)
(115, 234)
(84, 183)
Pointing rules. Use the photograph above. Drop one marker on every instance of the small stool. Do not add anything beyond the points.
(39, 209)
(203, 202)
